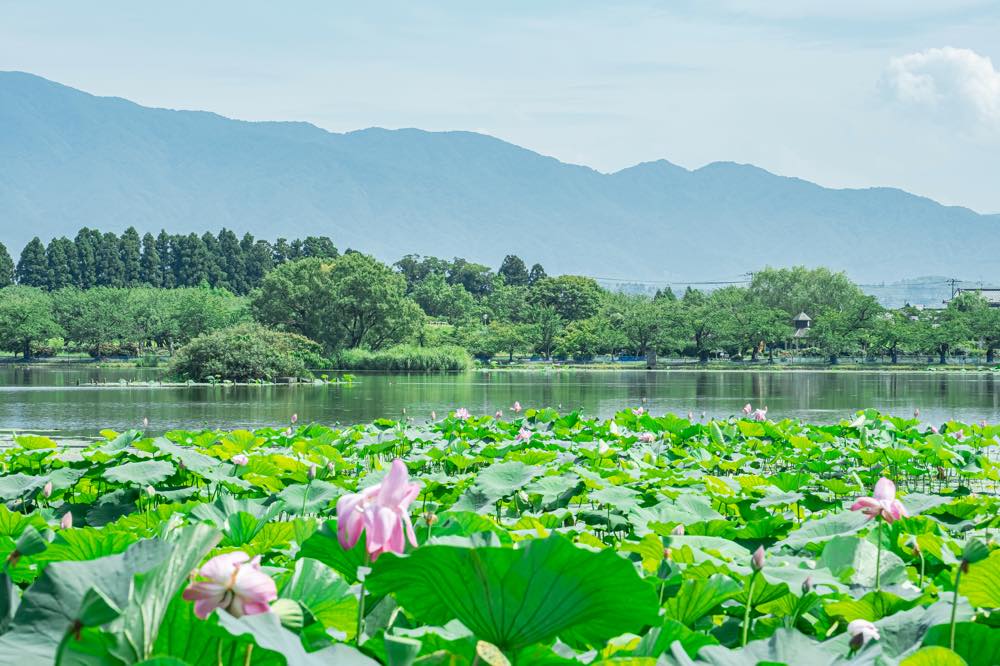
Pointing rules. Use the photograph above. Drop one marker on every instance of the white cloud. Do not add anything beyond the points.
(957, 86)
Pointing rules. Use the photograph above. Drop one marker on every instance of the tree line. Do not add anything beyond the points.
(353, 301)
(95, 259)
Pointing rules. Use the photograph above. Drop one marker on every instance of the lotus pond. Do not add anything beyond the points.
(544, 539)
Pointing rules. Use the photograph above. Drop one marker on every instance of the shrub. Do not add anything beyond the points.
(405, 358)
(247, 352)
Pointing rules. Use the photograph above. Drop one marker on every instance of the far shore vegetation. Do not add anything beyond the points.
(216, 306)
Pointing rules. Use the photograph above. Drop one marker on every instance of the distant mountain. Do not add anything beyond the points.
(70, 159)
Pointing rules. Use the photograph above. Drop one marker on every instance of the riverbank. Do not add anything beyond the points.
(671, 365)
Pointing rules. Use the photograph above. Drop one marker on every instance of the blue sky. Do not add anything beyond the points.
(847, 94)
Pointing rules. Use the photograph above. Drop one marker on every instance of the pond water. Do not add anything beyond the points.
(59, 400)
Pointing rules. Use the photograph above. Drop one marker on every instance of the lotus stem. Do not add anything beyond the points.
(954, 606)
(878, 557)
(361, 605)
(746, 613)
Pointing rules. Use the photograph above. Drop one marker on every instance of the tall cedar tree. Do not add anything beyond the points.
(165, 248)
(86, 257)
(61, 257)
(150, 271)
(6, 267)
(130, 248)
(33, 266)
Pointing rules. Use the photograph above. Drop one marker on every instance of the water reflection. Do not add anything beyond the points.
(63, 399)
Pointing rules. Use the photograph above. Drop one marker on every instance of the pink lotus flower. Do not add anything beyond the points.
(647, 437)
(916, 413)
(959, 435)
(381, 511)
(499, 414)
(747, 408)
(638, 411)
(523, 434)
(516, 408)
(47, 490)
(934, 429)
(759, 414)
(882, 503)
(757, 559)
(862, 631)
(239, 459)
(235, 584)
(678, 530)
(66, 522)
(462, 413)
(295, 419)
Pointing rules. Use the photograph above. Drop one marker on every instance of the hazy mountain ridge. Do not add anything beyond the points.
(71, 159)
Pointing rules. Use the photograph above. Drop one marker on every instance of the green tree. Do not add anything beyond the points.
(233, 263)
(506, 303)
(166, 246)
(98, 319)
(441, 300)
(110, 267)
(6, 267)
(573, 297)
(535, 274)
(130, 249)
(476, 278)
(150, 267)
(545, 326)
(86, 243)
(847, 329)
(33, 266)
(319, 247)
(894, 332)
(705, 325)
(60, 255)
(259, 260)
(215, 262)
(799, 289)
(352, 301)
(193, 265)
(749, 324)
(513, 271)
(586, 338)
(26, 317)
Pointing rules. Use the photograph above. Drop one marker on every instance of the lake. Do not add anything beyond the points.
(49, 399)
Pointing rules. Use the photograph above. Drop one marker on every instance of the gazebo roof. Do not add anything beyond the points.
(802, 316)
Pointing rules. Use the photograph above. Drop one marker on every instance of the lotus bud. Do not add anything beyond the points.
(434, 415)
(861, 631)
(145, 422)
(807, 585)
(914, 545)
(757, 561)
(331, 468)
(239, 459)
(295, 418)
(690, 416)
(47, 490)
(678, 530)
(516, 408)
(916, 413)
(150, 491)
(66, 521)
(312, 472)
(499, 414)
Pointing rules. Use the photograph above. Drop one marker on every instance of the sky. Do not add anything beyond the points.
(900, 93)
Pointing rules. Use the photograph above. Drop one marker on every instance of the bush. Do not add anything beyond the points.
(405, 358)
(247, 352)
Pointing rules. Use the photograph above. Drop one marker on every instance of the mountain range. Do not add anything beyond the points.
(70, 159)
